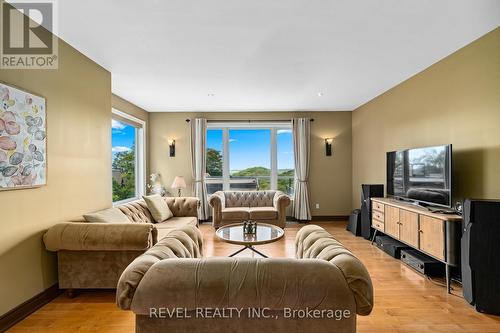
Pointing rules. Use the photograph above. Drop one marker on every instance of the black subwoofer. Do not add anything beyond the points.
(480, 248)
(369, 191)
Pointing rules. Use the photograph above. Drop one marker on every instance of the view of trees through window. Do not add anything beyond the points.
(123, 139)
(286, 171)
(249, 160)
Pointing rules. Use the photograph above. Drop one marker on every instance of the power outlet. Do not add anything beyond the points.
(317, 206)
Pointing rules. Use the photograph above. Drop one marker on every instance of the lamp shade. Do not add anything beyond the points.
(179, 182)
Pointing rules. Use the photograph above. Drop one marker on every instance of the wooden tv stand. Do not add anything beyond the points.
(437, 235)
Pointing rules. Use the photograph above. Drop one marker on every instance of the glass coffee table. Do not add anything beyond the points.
(233, 233)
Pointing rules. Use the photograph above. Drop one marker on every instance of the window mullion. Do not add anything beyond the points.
(140, 172)
(225, 159)
(274, 159)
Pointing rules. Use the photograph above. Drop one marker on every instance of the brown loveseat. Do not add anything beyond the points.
(236, 206)
(171, 288)
(93, 255)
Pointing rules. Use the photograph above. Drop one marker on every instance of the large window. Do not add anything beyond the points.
(127, 141)
(250, 157)
(286, 171)
(215, 160)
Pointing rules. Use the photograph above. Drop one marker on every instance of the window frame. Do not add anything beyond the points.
(226, 127)
(140, 153)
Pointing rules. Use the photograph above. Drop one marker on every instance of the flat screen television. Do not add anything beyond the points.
(421, 175)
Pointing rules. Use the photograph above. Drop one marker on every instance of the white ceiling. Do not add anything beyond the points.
(268, 55)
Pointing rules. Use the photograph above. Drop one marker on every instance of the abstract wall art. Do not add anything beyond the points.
(23, 139)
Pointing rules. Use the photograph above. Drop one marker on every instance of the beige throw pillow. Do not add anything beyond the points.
(158, 207)
(110, 215)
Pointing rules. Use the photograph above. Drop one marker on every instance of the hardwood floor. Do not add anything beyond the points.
(404, 300)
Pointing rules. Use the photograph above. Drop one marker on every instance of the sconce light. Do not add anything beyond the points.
(328, 146)
(171, 146)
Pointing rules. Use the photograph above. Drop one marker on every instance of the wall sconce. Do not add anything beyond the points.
(171, 146)
(328, 146)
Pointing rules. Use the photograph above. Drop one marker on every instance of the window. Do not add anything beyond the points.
(250, 157)
(214, 160)
(127, 162)
(286, 170)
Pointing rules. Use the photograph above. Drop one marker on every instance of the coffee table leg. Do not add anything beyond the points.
(240, 250)
(259, 253)
(251, 248)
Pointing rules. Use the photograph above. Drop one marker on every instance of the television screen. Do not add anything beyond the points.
(422, 175)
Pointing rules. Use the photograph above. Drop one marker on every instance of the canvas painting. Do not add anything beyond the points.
(23, 139)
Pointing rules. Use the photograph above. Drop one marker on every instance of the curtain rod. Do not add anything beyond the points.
(246, 120)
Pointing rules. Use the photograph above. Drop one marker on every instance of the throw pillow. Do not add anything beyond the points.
(110, 215)
(158, 207)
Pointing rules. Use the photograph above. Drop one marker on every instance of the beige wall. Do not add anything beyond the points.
(455, 101)
(330, 177)
(78, 98)
(125, 106)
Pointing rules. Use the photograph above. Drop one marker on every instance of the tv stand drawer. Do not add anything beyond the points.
(378, 225)
(378, 206)
(376, 215)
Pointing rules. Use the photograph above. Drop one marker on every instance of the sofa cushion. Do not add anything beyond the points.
(236, 213)
(158, 207)
(174, 223)
(263, 213)
(110, 215)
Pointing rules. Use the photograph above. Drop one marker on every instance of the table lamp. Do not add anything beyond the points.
(179, 183)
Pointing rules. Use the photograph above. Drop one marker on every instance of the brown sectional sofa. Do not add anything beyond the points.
(170, 276)
(236, 206)
(93, 255)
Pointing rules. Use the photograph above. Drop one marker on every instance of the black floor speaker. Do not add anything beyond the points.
(354, 224)
(480, 247)
(369, 191)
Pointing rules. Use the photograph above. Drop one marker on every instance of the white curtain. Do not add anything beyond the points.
(301, 148)
(198, 164)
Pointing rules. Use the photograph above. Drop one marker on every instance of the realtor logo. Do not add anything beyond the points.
(28, 38)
